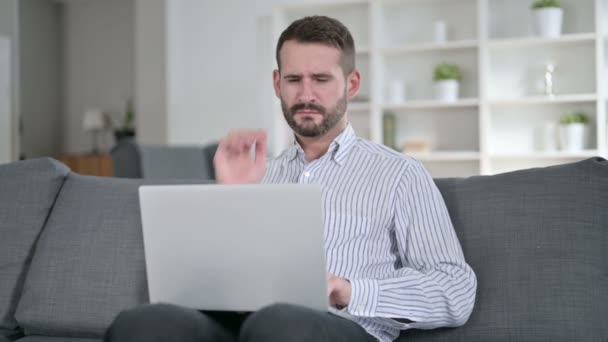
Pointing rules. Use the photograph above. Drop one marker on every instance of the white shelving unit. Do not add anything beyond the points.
(500, 122)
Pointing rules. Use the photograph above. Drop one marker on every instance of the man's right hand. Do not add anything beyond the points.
(233, 162)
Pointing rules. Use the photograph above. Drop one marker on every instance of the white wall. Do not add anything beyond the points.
(150, 71)
(9, 28)
(39, 74)
(214, 78)
(98, 64)
(5, 101)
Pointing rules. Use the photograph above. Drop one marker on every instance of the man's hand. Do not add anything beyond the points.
(339, 290)
(233, 163)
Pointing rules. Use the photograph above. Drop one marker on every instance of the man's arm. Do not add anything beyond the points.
(437, 288)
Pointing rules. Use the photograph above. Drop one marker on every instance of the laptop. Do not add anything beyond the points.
(234, 247)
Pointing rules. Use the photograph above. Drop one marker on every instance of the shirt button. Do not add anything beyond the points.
(306, 174)
(360, 308)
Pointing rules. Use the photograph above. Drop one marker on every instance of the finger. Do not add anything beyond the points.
(239, 142)
(243, 144)
(260, 148)
(231, 142)
(330, 289)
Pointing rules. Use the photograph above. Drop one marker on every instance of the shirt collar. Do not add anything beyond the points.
(338, 148)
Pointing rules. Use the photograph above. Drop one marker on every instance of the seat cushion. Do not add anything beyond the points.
(89, 263)
(27, 193)
(538, 242)
(56, 339)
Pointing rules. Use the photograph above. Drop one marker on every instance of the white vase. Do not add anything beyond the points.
(440, 32)
(573, 137)
(548, 21)
(548, 136)
(447, 90)
(396, 93)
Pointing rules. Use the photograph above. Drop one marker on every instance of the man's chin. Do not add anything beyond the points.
(309, 131)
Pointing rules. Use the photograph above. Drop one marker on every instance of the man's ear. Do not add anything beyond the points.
(276, 77)
(353, 83)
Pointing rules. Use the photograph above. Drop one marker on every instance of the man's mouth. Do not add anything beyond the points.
(307, 112)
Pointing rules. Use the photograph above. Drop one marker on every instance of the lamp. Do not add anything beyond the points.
(94, 121)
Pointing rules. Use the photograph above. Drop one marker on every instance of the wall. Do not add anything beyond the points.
(150, 71)
(217, 59)
(98, 64)
(39, 74)
(9, 28)
(6, 135)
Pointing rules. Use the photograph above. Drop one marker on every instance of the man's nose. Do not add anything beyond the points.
(306, 92)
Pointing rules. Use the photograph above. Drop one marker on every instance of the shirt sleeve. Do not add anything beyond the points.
(435, 287)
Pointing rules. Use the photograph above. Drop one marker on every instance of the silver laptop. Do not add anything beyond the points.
(234, 247)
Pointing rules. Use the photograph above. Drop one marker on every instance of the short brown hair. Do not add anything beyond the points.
(324, 30)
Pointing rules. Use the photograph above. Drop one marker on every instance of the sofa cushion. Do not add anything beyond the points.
(27, 193)
(538, 242)
(89, 263)
(56, 339)
(175, 162)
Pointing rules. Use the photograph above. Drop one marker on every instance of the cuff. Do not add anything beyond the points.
(364, 297)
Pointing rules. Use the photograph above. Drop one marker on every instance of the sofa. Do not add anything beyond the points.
(71, 253)
(133, 160)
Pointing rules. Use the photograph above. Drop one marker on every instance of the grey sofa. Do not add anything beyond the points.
(133, 160)
(71, 253)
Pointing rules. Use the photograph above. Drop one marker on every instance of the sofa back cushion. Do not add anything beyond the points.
(537, 240)
(89, 263)
(27, 193)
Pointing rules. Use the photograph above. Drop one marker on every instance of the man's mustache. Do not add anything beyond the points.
(307, 106)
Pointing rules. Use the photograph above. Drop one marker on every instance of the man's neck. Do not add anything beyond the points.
(315, 147)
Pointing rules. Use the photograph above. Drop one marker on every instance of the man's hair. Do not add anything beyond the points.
(324, 30)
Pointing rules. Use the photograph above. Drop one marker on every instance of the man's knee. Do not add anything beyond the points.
(279, 322)
(160, 322)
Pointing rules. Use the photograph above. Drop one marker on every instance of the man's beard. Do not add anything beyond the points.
(307, 127)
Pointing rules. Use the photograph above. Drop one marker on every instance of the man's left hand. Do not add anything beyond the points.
(339, 290)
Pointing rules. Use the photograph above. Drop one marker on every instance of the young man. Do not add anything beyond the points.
(394, 261)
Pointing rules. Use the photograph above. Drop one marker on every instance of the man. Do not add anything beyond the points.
(394, 261)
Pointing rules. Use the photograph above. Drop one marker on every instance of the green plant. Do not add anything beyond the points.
(447, 71)
(546, 3)
(577, 117)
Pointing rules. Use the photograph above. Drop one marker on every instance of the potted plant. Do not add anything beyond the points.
(573, 131)
(126, 129)
(447, 82)
(548, 16)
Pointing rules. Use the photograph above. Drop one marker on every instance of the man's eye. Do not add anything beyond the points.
(322, 79)
(292, 80)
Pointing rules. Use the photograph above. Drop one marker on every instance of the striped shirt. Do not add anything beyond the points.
(387, 230)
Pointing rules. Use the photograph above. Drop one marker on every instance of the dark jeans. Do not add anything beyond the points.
(280, 322)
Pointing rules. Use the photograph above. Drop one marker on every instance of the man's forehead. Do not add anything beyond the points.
(292, 50)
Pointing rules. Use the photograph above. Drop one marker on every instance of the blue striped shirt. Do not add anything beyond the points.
(388, 231)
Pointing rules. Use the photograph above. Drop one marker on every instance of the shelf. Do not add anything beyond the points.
(425, 47)
(433, 104)
(546, 155)
(572, 98)
(446, 156)
(503, 119)
(537, 41)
